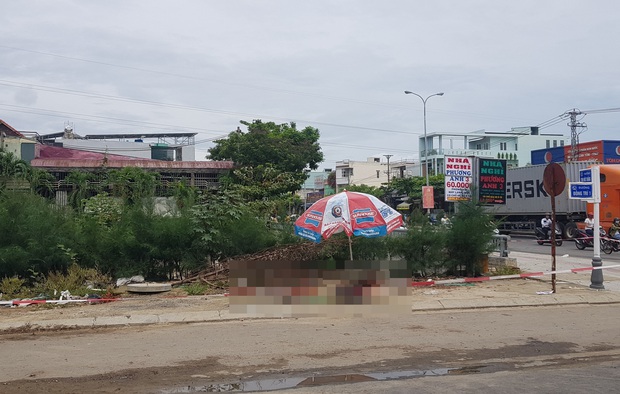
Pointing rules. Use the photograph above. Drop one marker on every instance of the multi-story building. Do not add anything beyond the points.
(372, 172)
(315, 187)
(514, 146)
(16, 142)
(157, 146)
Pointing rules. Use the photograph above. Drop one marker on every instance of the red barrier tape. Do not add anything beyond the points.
(524, 275)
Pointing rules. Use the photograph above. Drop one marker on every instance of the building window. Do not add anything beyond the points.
(516, 146)
(378, 171)
(486, 146)
(478, 147)
(561, 142)
(347, 172)
(555, 143)
(502, 146)
(548, 144)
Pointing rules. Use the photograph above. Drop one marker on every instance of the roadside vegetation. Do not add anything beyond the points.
(111, 228)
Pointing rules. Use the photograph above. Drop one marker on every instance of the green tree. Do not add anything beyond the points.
(268, 149)
(264, 181)
(412, 186)
(12, 167)
(470, 237)
(81, 188)
(213, 212)
(423, 248)
(41, 182)
(372, 190)
(133, 184)
(31, 231)
(331, 180)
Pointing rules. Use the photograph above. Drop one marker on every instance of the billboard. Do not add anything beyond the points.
(458, 173)
(606, 152)
(428, 197)
(611, 152)
(548, 155)
(492, 181)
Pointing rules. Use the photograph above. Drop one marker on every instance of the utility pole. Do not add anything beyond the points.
(388, 170)
(574, 135)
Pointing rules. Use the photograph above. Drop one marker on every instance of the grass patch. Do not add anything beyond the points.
(197, 289)
(505, 270)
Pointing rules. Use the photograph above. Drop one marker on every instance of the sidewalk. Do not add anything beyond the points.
(571, 289)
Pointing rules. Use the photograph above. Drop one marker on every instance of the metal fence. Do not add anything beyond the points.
(500, 244)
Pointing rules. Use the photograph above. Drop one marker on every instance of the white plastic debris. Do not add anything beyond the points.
(126, 281)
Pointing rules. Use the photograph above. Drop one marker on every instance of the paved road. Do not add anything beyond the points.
(469, 351)
(523, 243)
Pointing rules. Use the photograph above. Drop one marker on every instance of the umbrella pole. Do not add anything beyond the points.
(350, 248)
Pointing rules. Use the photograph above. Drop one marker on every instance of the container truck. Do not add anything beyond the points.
(527, 202)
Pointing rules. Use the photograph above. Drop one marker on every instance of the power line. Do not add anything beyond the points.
(187, 107)
(245, 86)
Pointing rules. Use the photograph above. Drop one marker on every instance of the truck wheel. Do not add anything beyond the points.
(570, 230)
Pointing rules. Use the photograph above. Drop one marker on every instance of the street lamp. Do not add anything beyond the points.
(388, 171)
(425, 142)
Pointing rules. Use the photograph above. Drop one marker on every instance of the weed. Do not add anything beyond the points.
(11, 287)
(505, 270)
(197, 289)
(76, 280)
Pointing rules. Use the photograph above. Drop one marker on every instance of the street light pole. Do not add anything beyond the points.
(388, 171)
(425, 141)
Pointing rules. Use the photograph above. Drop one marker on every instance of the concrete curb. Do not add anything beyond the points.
(224, 315)
(529, 262)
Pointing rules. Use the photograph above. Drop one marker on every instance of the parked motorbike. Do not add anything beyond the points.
(541, 238)
(583, 239)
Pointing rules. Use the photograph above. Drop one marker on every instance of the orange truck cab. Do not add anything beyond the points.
(609, 207)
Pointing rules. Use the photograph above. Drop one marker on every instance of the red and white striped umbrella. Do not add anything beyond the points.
(354, 213)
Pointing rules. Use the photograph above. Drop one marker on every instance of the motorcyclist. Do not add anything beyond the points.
(614, 230)
(589, 222)
(545, 224)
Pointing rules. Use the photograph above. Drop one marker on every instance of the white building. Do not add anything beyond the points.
(160, 146)
(373, 171)
(515, 146)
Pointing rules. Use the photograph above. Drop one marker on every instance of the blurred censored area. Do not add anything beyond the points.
(318, 288)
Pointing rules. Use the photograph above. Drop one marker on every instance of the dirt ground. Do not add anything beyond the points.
(147, 375)
(216, 356)
(175, 301)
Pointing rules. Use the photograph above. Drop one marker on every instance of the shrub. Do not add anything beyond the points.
(11, 287)
(469, 238)
(423, 247)
(76, 280)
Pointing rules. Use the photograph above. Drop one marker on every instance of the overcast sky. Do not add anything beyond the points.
(121, 66)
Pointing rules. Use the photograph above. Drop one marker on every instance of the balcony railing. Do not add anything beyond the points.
(433, 153)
